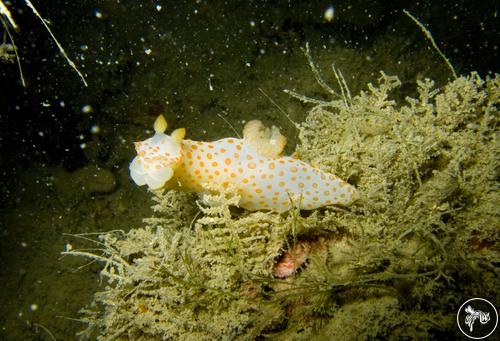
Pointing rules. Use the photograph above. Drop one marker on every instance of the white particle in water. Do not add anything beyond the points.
(86, 109)
(329, 13)
(95, 129)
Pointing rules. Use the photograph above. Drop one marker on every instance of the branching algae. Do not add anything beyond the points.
(398, 263)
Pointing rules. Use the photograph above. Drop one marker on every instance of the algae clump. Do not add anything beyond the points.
(421, 240)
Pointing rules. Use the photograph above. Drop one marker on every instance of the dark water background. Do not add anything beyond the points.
(65, 148)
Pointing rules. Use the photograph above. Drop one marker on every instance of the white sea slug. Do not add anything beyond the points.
(263, 178)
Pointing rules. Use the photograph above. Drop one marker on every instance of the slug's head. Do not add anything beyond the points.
(157, 157)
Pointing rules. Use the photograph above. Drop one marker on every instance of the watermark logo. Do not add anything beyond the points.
(477, 318)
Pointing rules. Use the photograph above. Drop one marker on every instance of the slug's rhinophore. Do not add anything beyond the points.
(263, 178)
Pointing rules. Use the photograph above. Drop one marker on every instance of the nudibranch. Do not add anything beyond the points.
(263, 178)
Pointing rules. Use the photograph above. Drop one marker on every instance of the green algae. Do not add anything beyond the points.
(422, 238)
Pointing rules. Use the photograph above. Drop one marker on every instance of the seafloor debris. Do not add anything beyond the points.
(292, 259)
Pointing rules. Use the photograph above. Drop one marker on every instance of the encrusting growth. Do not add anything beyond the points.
(427, 229)
(263, 178)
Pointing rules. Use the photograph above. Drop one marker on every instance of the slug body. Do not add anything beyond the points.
(263, 178)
